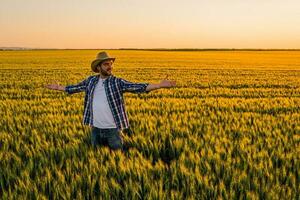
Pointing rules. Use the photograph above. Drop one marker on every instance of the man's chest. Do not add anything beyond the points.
(99, 91)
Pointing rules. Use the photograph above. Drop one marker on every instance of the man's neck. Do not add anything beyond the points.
(104, 77)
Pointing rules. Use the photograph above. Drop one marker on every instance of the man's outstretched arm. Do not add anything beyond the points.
(70, 89)
(144, 87)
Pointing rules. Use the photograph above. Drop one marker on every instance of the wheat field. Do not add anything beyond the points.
(230, 129)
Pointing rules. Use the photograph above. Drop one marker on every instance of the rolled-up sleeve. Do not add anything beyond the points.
(133, 87)
(79, 87)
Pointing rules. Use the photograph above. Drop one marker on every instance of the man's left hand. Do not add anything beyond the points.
(167, 84)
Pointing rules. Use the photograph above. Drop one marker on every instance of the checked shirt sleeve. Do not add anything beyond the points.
(133, 87)
(79, 87)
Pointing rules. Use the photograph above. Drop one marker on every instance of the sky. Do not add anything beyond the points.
(100, 24)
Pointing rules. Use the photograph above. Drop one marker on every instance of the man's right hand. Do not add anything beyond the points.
(55, 87)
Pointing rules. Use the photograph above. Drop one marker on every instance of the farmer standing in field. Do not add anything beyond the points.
(104, 108)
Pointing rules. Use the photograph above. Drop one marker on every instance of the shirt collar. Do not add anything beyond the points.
(98, 78)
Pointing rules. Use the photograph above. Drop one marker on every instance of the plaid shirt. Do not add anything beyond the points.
(114, 89)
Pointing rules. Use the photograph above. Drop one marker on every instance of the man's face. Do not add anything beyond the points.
(106, 67)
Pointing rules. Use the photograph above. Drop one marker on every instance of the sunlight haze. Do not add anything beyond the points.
(150, 24)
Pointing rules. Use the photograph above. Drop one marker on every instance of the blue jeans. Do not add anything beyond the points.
(110, 137)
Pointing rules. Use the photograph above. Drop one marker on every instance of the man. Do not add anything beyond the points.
(104, 109)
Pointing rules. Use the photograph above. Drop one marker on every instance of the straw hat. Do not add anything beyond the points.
(102, 56)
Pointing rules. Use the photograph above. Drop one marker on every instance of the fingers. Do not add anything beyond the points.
(47, 86)
(51, 86)
(169, 83)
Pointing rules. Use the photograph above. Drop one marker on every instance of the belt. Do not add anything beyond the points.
(105, 129)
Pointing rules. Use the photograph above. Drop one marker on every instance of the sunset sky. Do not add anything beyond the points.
(150, 24)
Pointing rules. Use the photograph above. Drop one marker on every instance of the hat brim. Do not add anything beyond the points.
(96, 62)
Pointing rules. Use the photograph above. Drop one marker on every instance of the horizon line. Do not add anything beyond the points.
(155, 49)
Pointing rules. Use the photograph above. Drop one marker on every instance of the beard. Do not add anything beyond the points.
(105, 72)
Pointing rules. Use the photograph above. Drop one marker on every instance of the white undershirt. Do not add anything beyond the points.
(102, 115)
